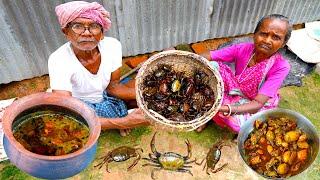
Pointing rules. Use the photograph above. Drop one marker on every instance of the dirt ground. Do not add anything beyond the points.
(166, 142)
(24, 87)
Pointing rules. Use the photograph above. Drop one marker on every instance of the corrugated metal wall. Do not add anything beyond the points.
(30, 30)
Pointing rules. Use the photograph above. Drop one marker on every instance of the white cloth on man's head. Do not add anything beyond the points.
(69, 11)
(67, 73)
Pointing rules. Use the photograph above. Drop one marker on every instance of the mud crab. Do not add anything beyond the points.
(120, 154)
(213, 157)
(169, 160)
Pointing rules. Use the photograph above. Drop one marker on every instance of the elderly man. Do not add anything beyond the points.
(87, 66)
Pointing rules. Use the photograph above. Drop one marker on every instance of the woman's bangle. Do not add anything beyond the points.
(229, 110)
(235, 110)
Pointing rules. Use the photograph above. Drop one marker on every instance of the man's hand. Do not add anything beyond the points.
(133, 119)
(137, 117)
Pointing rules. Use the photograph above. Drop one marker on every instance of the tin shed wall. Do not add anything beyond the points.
(30, 31)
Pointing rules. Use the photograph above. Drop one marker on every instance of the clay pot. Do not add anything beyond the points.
(50, 167)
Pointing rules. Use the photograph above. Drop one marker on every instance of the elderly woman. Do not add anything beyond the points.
(87, 66)
(259, 72)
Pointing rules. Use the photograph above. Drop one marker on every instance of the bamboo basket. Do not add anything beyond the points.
(186, 62)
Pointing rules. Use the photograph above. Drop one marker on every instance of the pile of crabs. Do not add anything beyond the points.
(175, 95)
(277, 148)
(168, 161)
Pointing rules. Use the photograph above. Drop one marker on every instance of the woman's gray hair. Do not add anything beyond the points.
(280, 17)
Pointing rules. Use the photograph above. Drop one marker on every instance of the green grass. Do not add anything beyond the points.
(112, 138)
(306, 100)
(208, 136)
(11, 172)
(184, 47)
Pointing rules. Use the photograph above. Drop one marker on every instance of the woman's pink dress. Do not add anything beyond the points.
(244, 83)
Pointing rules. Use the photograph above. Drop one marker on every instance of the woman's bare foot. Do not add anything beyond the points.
(124, 132)
(201, 128)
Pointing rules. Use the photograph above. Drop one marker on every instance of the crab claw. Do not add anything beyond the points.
(139, 149)
(153, 147)
(218, 144)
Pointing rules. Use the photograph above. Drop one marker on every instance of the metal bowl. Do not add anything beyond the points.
(303, 123)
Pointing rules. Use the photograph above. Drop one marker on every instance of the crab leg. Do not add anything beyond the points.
(220, 168)
(105, 159)
(189, 150)
(207, 170)
(153, 147)
(188, 162)
(151, 160)
(149, 164)
(200, 162)
(100, 164)
(107, 163)
(185, 170)
(134, 163)
(220, 144)
(152, 172)
(139, 149)
(205, 165)
(187, 166)
(107, 167)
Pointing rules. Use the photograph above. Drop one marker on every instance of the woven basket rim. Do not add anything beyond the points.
(186, 125)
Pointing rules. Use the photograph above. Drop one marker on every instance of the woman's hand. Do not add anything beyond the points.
(206, 55)
(251, 107)
(224, 108)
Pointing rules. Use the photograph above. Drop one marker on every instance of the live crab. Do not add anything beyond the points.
(213, 157)
(169, 160)
(120, 154)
